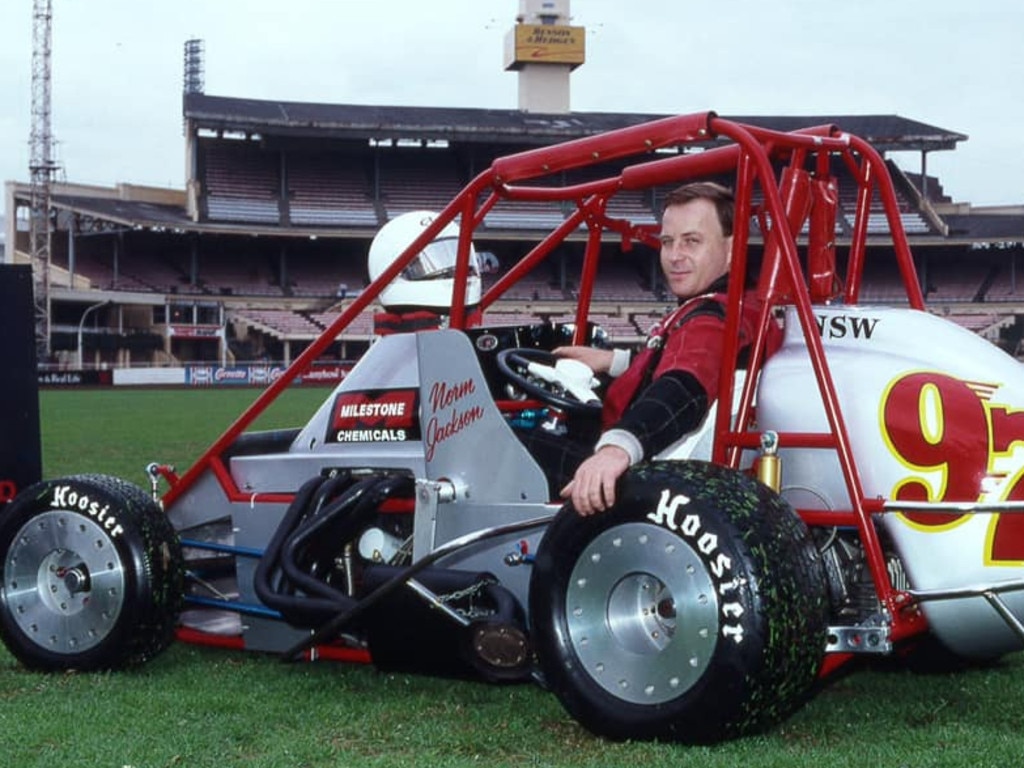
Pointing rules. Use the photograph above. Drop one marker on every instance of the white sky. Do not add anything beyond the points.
(117, 69)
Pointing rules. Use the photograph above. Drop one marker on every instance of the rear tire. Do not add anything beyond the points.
(695, 610)
(92, 575)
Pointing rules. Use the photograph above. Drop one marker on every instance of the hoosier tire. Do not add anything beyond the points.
(695, 610)
(92, 575)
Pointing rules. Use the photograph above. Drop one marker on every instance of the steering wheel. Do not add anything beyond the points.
(559, 382)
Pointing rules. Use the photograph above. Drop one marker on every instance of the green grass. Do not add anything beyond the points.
(202, 707)
(120, 431)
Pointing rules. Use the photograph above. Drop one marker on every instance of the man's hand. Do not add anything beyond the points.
(592, 488)
(597, 360)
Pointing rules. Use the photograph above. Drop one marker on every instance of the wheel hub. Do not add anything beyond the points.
(76, 579)
(642, 613)
(64, 582)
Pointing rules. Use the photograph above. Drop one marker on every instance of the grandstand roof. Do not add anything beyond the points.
(985, 226)
(125, 212)
(359, 121)
(108, 213)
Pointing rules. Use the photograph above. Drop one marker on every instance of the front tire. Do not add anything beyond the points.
(695, 610)
(92, 575)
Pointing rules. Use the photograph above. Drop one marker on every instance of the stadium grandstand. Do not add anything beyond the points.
(267, 241)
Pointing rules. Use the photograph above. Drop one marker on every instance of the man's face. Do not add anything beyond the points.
(694, 252)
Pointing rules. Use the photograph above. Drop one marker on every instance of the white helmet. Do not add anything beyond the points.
(428, 281)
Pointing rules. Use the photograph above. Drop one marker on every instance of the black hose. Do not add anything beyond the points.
(317, 514)
(363, 498)
(293, 546)
(265, 567)
(326, 489)
(300, 611)
(506, 607)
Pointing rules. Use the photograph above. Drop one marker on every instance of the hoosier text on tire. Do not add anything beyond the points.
(92, 575)
(692, 611)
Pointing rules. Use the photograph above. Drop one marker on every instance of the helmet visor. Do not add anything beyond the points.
(437, 260)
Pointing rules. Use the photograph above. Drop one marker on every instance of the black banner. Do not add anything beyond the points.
(20, 448)
(76, 378)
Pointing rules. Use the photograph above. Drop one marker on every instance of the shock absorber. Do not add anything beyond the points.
(769, 467)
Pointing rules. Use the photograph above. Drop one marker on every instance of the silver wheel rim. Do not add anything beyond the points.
(64, 582)
(642, 613)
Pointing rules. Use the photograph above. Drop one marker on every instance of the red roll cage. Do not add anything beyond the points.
(783, 182)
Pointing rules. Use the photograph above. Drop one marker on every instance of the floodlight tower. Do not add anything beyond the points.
(194, 79)
(544, 49)
(42, 167)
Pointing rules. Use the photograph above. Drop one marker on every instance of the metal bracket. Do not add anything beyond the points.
(429, 494)
(859, 639)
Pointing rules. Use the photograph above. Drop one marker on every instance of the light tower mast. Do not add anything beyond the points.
(194, 81)
(42, 167)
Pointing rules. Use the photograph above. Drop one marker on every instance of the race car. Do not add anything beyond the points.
(854, 492)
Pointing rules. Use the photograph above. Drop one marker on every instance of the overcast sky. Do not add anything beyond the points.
(117, 69)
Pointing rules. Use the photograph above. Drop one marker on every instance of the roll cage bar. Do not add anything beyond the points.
(782, 181)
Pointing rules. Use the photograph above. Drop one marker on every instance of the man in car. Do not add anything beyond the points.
(667, 390)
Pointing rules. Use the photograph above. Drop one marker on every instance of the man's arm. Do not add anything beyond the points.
(673, 405)
(592, 488)
(610, 361)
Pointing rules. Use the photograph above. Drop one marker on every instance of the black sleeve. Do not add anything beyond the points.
(673, 405)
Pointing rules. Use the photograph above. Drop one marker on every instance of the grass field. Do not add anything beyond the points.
(200, 707)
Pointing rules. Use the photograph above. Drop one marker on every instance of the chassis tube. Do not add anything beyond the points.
(666, 132)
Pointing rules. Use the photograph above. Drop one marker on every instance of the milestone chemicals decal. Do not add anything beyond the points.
(377, 416)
